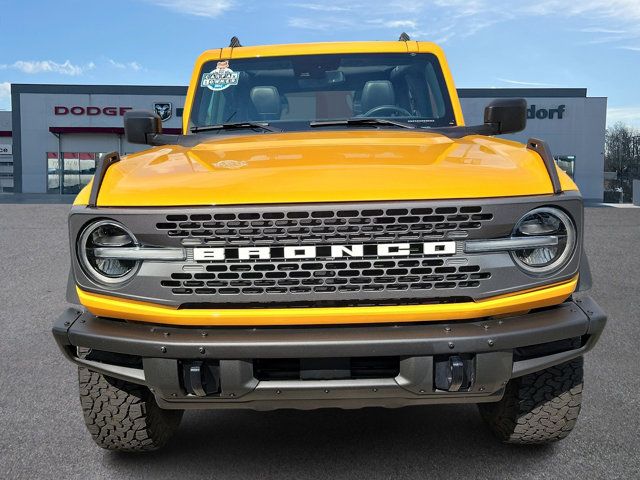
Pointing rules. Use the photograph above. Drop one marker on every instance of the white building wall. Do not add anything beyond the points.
(37, 114)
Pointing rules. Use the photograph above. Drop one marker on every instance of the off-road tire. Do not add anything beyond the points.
(124, 416)
(538, 408)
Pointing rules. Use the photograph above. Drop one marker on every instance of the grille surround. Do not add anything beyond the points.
(504, 276)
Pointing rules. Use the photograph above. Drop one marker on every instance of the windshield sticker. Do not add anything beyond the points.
(220, 78)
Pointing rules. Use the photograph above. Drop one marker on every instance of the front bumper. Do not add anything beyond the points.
(497, 350)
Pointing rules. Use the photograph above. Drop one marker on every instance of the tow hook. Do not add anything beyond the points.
(201, 379)
(454, 373)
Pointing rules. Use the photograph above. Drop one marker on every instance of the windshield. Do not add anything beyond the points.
(294, 91)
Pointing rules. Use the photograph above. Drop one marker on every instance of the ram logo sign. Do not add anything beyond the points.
(164, 110)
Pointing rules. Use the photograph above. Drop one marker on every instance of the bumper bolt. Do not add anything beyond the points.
(374, 389)
(278, 392)
(163, 349)
(204, 334)
(326, 391)
(66, 324)
(201, 350)
(491, 343)
(486, 326)
(451, 345)
(447, 329)
(166, 334)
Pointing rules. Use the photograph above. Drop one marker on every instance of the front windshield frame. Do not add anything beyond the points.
(246, 70)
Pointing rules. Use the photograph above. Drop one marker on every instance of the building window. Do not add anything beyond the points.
(567, 163)
(71, 173)
(53, 173)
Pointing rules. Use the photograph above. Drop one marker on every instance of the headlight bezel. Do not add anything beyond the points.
(93, 271)
(564, 258)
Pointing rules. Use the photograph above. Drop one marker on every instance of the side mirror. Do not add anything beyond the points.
(507, 115)
(140, 126)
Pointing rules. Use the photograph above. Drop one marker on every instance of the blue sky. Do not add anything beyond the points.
(489, 43)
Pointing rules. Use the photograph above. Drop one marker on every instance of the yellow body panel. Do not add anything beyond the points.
(106, 306)
(325, 166)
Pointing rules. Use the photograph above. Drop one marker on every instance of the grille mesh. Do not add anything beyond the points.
(322, 277)
(326, 226)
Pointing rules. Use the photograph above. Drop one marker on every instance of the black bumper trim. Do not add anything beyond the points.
(570, 319)
(491, 341)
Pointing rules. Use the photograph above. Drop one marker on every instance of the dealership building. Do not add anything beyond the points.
(50, 140)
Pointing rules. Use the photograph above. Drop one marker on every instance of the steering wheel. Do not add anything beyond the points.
(391, 110)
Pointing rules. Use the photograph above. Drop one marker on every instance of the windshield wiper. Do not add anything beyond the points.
(360, 121)
(234, 126)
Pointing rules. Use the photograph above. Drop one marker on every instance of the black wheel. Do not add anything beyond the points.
(124, 416)
(538, 408)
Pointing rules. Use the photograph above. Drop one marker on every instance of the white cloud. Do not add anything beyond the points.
(629, 115)
(305, 23)
(627, 10)
(401, 24)
(48, 66)
(463, 8)
(135, 66)
(200, 8)
(610, 31)
(439, 20)
(525, 84)
(318, 7)
(606, 21)
(357, 15)
(5, 90)
(5, 96)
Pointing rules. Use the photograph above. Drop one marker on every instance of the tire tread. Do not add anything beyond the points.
(124, 416)
(541, 407)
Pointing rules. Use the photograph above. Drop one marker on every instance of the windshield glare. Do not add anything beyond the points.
(293, 91)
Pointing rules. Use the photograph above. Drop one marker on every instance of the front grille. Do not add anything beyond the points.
(424, 275)
(326, 277)
(326, 226)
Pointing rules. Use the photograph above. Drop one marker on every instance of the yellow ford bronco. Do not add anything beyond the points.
(327, 232)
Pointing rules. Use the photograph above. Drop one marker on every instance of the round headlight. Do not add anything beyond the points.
(551, 222)
(106, 234)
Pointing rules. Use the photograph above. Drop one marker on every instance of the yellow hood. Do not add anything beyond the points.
(325, 166)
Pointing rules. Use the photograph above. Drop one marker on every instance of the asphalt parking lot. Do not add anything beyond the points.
(43, 435)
